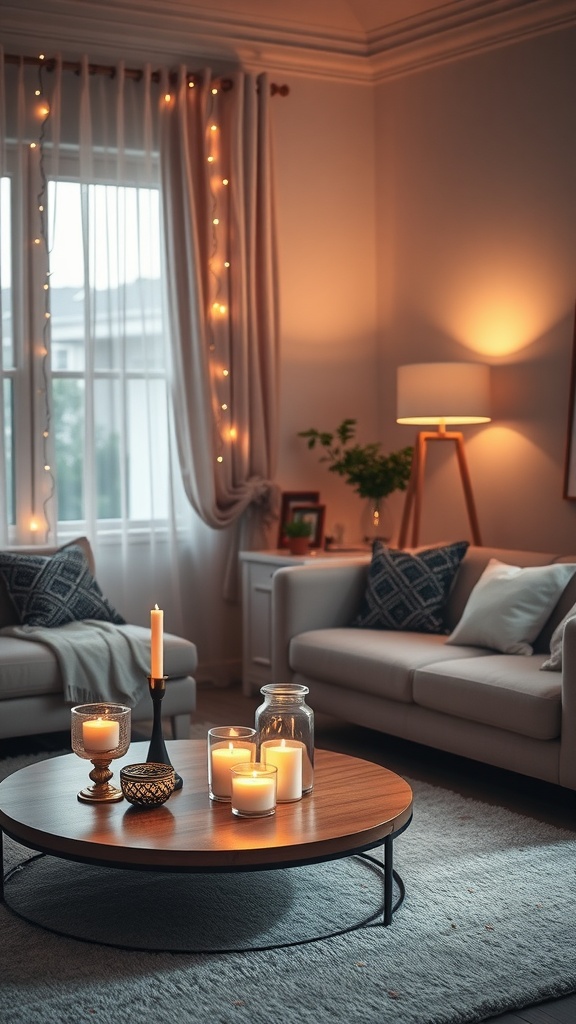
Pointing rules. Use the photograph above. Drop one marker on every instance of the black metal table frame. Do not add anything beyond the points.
(386, 911)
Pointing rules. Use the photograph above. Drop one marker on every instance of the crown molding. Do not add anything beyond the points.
(141, 30)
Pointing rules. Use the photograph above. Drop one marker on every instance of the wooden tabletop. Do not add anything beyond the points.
(354, 805)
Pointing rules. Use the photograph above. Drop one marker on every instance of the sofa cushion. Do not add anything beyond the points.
(380, 663)
(53, 590)
(500, 690)
(408, 591)
(30, 669)
(509, 605)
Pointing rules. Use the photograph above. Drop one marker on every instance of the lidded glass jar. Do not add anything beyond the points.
(284, 715)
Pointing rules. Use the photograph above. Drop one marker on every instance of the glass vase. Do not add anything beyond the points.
(285, 716)
(376, 522)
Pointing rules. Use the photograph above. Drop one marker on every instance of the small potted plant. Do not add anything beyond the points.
(373, 474)
(298, 532)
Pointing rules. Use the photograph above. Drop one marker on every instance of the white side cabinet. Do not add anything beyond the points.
(258, 568)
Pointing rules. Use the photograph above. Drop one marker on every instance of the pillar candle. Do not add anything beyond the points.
(157, 643)
(100, 734)
(288, 760)
(222, 757)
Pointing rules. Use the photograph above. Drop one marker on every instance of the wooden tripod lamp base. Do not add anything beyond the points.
(415, 491)
(440, 394)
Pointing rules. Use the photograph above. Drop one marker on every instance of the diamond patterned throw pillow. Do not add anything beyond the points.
(51, 590)
(408, 591)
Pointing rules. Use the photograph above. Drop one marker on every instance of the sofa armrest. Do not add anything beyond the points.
(567, 768)
(308, 597)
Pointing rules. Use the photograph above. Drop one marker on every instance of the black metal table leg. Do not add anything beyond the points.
(388, 879)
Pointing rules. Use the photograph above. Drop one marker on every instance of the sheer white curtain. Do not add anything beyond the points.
(83, 174)
(144, 308)
(222, 275)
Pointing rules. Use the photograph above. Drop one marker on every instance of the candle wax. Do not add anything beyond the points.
(288, 760)
(100, 734)
(253, 794)
(222, 758)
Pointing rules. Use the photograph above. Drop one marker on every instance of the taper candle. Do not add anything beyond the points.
(157, 643)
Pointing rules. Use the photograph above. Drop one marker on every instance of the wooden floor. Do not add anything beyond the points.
(227, 706)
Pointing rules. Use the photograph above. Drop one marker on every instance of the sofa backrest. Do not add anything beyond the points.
(8, 615)
(472, 566)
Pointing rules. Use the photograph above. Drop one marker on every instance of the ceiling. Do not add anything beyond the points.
(362, 40)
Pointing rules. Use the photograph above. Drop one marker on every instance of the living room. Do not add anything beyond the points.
(425, 209)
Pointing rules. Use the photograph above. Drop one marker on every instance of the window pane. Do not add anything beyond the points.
(107, 453)
(9, 452)
(6, 273)
(148, 447)
(68, 413)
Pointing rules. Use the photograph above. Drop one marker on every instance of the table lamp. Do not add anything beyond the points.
(440, 394)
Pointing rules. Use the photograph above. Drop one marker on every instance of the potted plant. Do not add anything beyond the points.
(298, 532)
(373, 474)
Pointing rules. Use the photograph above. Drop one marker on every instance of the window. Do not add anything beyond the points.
(100, 391)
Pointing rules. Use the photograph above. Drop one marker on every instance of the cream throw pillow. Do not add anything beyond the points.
(508, 606)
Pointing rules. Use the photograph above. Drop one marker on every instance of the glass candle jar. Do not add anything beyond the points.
(227, 745)
(253, 789)
(285, 716)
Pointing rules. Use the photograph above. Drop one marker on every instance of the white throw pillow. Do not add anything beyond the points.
(509, 605)
(554, 662)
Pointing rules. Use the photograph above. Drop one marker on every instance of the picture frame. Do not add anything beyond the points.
(289, 500)
(570, 458)
(313, 514)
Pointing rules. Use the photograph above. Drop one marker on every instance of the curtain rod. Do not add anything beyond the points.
(110, 71)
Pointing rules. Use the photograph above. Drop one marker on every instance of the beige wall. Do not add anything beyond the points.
(476, 236)
(324, 147)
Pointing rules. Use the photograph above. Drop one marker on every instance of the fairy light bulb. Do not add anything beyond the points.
(210, 159)
(213, 127)
(33, 525)
(224, 406)
(219, 458)
(225, 373)
(232, 433)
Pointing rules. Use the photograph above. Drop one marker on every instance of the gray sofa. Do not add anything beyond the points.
(498, 708)
(31, 685)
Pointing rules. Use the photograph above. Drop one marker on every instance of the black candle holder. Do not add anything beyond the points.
(157, 753)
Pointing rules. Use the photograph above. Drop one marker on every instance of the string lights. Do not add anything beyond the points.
(219, 341)
(41, 243)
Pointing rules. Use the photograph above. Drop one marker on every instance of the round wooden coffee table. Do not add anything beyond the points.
(355, 806)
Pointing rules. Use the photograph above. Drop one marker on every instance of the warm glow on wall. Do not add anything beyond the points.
(501, 305)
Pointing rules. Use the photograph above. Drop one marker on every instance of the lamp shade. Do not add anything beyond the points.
(443, 393)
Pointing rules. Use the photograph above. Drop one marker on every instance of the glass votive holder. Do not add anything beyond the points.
(100, 733)
(253, 789)
(227, 745)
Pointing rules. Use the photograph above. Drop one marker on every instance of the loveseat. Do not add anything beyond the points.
(505, 700)
(32, 684)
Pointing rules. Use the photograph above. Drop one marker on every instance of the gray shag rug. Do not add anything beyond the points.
(488, 925)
